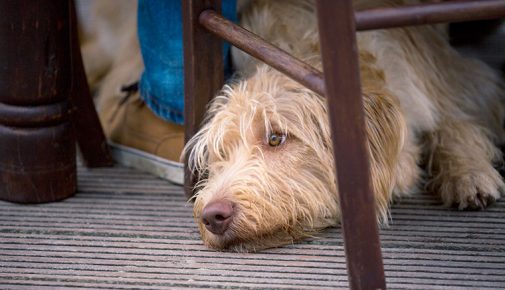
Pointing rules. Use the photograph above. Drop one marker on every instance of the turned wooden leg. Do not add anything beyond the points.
(343, 91)
(37, 144)
(203, 71)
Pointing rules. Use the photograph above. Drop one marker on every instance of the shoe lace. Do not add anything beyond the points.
(128, 91)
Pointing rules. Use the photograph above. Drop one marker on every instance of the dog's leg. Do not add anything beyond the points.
(408, 172)
(460, 163)
(392, 166)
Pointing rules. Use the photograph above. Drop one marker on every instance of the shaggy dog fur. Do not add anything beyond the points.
(265, 148)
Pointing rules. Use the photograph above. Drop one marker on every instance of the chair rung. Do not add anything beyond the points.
(408, 15)
(254, 45)
(377, 18)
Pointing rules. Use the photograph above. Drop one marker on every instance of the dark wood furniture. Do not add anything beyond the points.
(45, 104)
(337, 25)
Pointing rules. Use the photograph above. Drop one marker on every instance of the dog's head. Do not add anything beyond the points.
(265, 157)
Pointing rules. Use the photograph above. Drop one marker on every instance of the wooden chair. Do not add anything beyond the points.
(338, 22)
(45, 104)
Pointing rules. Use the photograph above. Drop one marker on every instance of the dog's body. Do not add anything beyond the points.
(265, 150)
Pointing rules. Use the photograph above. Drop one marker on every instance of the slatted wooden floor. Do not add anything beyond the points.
(126, 229)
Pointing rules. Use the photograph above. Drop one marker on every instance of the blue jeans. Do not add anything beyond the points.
(160, 35)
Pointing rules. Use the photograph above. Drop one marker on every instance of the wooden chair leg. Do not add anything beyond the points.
(346, 113)
(203, 71)
(37, 144)
(88, 130)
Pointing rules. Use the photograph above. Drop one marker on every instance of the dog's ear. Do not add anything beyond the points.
(195, 167)
(386, 131)
(196, 155)
(196, 152)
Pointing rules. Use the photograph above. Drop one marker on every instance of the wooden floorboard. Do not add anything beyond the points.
(126, 229)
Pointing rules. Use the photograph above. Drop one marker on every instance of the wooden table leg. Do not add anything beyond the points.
(37, 144)
(343, 91)
(203, 71)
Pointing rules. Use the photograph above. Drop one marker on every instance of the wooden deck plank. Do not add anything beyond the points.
(126, 229)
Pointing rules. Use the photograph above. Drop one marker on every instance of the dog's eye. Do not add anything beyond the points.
(276, 139)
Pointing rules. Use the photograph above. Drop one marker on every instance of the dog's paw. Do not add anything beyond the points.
(473, 191)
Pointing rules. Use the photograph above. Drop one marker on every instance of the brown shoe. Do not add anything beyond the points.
(141, 140)
(138, 138)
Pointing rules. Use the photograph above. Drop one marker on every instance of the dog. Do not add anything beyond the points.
(264, 153)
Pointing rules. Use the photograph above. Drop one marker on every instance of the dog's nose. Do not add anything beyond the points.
(217, 216)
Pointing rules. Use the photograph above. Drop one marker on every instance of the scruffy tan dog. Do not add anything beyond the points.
(264, 153)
